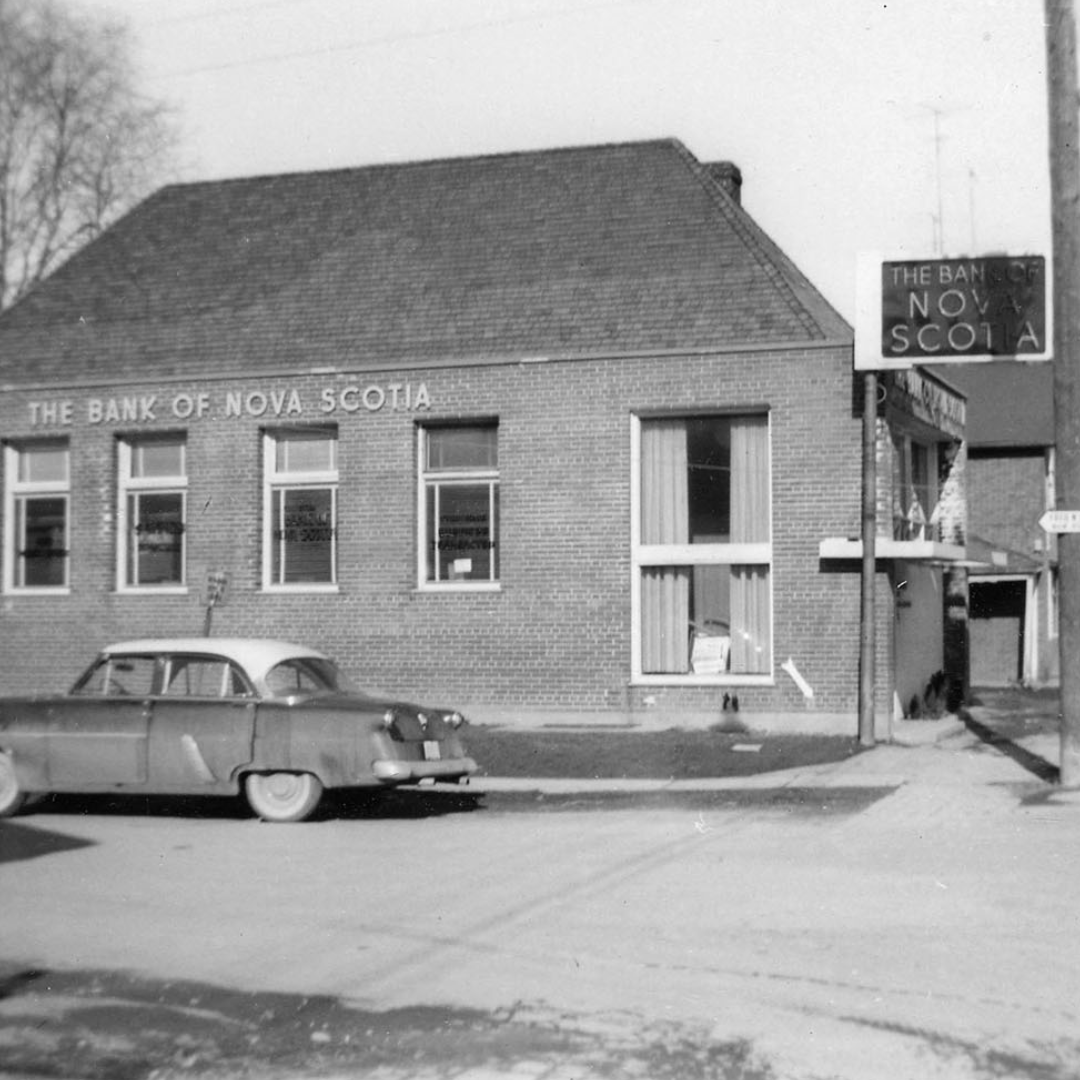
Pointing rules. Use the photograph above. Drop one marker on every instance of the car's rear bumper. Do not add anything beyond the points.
(411, 772)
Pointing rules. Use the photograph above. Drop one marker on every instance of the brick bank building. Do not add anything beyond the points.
(546, 434)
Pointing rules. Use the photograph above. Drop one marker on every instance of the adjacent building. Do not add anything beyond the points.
(1010, 485)
(558, 434)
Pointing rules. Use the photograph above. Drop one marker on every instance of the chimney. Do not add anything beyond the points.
(728, 176)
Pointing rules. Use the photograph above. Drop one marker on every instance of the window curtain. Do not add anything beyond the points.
(750, 618)
(665, 519)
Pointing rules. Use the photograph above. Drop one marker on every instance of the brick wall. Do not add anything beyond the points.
(1006, 497)
(557, 633)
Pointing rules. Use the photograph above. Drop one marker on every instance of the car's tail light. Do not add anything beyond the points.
(396, 725)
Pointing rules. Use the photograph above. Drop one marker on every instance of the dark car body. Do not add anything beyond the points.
(216, 716)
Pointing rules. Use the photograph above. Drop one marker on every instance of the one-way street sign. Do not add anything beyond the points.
(1060, 521)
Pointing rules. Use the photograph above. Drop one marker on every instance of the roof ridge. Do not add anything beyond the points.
(410, 164)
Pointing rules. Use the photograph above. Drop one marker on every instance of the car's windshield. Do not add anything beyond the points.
(307, 675)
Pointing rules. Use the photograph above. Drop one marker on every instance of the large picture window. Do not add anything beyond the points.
(153, 512)
(459, 515)
(702, 547)
(301, 519)
(36, 496)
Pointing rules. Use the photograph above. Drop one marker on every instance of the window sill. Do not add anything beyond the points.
(459, 586)
(153, 590)
(60, 590)
(731, 679)
(306, 588)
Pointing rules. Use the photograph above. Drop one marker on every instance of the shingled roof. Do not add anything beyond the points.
(616, 249)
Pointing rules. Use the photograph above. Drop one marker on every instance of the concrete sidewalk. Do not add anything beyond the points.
(944, 754)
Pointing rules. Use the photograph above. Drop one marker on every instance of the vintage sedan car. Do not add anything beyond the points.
(216, 716)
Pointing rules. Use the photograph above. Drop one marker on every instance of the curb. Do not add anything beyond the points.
(786, 778)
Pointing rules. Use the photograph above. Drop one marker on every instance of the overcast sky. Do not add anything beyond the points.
(853, 121)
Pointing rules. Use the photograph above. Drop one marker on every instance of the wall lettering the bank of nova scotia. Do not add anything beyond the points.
(231, 404)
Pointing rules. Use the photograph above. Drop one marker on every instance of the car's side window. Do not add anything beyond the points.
(203, 677)
(292, 677)
(119, 676)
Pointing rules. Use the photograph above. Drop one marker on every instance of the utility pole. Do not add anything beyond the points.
(1065, 206)
(868, 636)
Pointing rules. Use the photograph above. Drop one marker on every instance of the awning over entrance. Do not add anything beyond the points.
(923, 550)
(988, 558)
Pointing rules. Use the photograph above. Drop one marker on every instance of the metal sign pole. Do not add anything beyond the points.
(868, 636)
(1065, 204)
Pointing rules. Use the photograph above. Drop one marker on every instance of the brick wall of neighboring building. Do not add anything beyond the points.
(1006, 492)
(556, 635)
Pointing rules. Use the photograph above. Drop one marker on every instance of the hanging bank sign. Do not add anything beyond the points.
(950, 310)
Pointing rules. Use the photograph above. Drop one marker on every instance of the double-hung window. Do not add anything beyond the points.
(702, 549)
(300, 526)
(152, 513)
(37, 516)
(459, 506)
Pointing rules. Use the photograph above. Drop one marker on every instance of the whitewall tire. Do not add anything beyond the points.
(283, 796)
(12, 797)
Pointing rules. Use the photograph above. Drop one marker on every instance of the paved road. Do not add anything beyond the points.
(912, 912)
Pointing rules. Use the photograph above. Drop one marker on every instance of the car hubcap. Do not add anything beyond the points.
(283, 787)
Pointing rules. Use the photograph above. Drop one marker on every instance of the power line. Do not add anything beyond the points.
(221, 12)
(386, 39)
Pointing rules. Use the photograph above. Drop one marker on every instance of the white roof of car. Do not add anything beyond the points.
(255, 655)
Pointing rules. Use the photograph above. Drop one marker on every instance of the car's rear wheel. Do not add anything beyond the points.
(12, 796)
(283, 796)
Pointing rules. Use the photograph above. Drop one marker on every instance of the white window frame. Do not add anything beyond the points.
(646, 555)
(16, 491)
(284, 480)
(128, 485)
(448, 478)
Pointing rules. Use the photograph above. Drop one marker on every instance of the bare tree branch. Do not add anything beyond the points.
(78, 144)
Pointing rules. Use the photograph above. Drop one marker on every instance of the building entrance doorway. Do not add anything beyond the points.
(997, 615)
